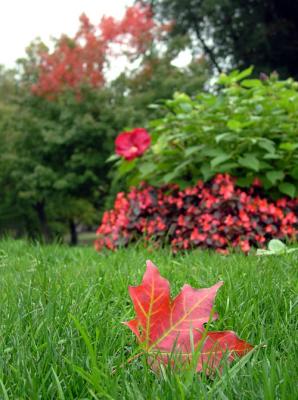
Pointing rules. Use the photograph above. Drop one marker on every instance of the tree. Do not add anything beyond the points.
(66, 122)
(84, 112)
(238, 33)
(10, 209)
(155, 80)
(81, 60)
(66, 116)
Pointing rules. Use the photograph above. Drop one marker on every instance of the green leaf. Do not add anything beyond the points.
(167, 178)
(125, 167)
(112, 158)
(267, 145)
(193, 149)
(276, 245)
(275, 176)
(234, 76)
(249, 161)
(227, 167)
(226, 137)
(186, 107)
(182, 183)
(288, 189)
(206, 172)
(250, 83)
(266, 183)
(272, 156)
(234, 125)
(213, 152)
(245, 182)
(243, 74)
(264, 165)
(223, 79)
(153, 106)
(146, 168)
(219, 160)
(294, 172)
(288, 146)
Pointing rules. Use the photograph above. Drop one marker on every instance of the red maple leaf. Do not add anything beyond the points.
(167, 327)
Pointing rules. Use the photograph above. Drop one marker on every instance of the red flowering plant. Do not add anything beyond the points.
(217, 215)
(132, 144)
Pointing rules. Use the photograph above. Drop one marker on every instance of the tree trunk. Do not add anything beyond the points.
(73, 233)
(42, 217)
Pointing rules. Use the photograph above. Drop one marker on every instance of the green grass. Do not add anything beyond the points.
(61, 334)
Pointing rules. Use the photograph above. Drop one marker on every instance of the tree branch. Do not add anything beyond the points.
(203, 43)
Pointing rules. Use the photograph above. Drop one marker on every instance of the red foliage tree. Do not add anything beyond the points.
(81, 59)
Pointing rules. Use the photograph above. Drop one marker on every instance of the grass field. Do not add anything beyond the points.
(61, 334)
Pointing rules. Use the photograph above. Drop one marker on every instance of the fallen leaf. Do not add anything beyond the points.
(167, 328)
(276, 247)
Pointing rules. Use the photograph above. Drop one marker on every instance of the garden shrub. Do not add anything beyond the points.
(249, 129)
(216, 214)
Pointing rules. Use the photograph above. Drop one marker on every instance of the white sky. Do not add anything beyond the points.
(21, 21)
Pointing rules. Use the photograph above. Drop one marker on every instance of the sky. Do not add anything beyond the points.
(23, 20)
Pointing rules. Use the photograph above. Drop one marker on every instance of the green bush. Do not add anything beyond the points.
(249, 129)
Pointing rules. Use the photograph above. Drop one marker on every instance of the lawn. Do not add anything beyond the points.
(61, 334)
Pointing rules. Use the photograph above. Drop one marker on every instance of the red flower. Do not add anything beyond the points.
(132, 144)
(197, 217)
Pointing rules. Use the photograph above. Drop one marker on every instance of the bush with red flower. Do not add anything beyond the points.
(217, 214)
(247, 130)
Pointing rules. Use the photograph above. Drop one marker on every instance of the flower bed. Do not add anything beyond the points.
(215, 215)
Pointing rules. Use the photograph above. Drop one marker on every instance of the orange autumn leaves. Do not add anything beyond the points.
(167, 328)
(82, 59)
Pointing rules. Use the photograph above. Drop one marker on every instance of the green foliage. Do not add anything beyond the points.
(248, 129)
(57, 161)
(11, 211)
(52, 161)
(53, 152)
(154, 80)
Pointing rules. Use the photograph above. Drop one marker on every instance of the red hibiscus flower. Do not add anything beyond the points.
(132, 144)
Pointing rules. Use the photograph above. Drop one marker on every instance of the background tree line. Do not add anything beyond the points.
(59, 116)
(237, 33)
